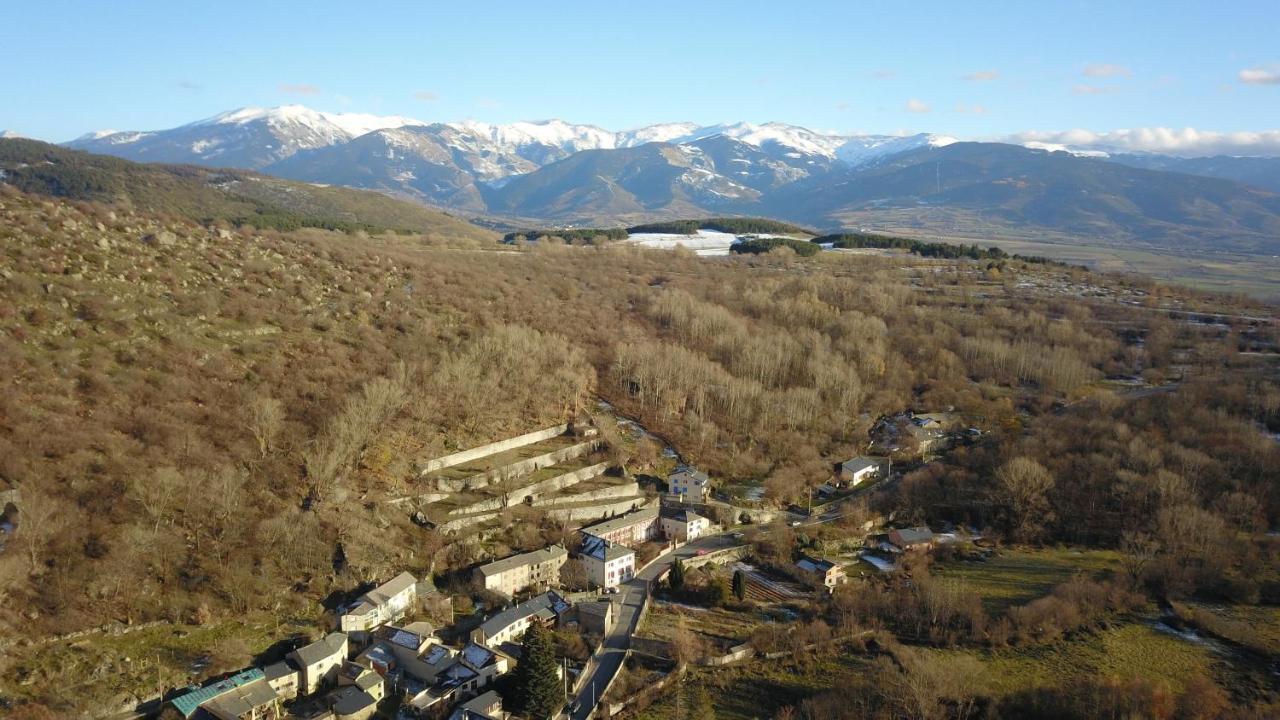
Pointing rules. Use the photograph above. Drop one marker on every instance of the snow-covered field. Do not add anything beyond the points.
(705, 242)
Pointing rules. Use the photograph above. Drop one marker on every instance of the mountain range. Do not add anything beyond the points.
(557, 172)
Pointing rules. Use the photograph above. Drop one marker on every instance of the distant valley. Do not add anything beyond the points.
(1079, 204)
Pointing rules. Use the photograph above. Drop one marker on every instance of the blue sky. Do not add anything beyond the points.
(987, 70)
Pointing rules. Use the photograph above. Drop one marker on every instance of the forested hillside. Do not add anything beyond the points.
(203, 421)
(207, 195)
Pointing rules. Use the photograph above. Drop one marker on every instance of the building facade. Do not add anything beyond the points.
(631, 529)
(537, 569)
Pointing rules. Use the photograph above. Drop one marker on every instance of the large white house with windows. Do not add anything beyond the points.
(690, 485)
(608, 563)
(386, 603)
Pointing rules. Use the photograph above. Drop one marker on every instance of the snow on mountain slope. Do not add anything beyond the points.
(550, 133)
(335, 126)
(860, 150)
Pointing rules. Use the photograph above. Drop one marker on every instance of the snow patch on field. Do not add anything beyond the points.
(705, 242)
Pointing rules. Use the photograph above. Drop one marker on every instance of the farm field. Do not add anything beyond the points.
(1017, 576)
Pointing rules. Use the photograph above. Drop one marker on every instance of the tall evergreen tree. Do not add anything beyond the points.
(739, 585)
(537, 687)
(676, 578)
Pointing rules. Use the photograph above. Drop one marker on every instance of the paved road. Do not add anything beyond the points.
(627, 618)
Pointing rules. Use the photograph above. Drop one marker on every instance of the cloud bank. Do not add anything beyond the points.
(1186, 142)
(1269, 75)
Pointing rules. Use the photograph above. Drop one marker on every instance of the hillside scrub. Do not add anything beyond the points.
(203, 418)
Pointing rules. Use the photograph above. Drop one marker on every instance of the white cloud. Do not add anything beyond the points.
(1187, 142)
(1269, 75)
(975, 109)
(918, 106)
(883, 74)
(982, 75)
(426, 96)
(1102, 70)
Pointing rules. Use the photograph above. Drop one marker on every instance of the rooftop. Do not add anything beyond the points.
(548, 601)
(818, 565)
(509, 563)
(243, 700)
(622, 521)
(351, 700)
(683, 515)
(275, 671)
(188, 703)
(914, 535)
(693, 475)
(601, 549)
(327, 646)
(858, 464)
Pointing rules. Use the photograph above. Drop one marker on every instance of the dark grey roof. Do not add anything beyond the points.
(859, 464)
(602, 549)
(693, 474)
(529, 558)
(351, 699)
(607, 526)
(683, 515)
(910, 536)
(547, 601)
(818, 565)
(321, 649)
(275, 671)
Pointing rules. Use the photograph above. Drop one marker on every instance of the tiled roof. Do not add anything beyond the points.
(546, 601)
(601, 549)
(633, 518)
(529, 558)
(858, 464)
(321, 649)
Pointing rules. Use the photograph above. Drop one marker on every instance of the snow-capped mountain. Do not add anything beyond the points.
(248, 138)
(255, 138)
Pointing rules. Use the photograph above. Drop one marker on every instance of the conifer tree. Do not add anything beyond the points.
(677, 575)
(739, 585)
(537, 686)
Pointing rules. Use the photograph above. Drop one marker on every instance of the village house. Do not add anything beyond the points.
(486, 706)
(908, 539)
(511, 624)
(537, 569)
(467, 671)
(821, 573)
(608, 564)
(366, 679)
(283, 679)
(690, 485)
(684, 525)
(595, 618)
(631, 529)
(858, 470)
(319, 661)
(352, 703)
(386, 603)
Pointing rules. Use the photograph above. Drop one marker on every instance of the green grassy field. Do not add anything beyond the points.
(1018, 576)
(1128, 651)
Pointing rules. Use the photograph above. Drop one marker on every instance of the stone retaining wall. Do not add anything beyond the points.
(621, 490)
(492, 448)
(515, 469)
(595, 512)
